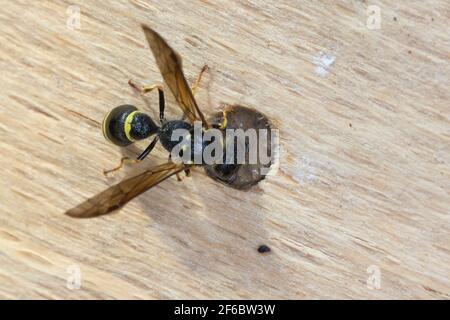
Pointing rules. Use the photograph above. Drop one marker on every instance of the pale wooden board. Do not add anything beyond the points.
(364, 175)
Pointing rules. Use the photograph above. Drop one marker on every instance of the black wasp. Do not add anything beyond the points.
(125, 124)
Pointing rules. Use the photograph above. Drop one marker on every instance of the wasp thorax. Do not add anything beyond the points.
(125, 124)
(173, 132)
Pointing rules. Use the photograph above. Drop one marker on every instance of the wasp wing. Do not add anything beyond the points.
(116, 196)
(171, 68)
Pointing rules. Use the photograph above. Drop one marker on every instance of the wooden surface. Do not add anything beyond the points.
(364, 175)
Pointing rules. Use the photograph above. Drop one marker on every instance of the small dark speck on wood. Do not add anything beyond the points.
(263, 249)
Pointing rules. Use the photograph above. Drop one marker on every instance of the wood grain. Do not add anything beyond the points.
(364, 176)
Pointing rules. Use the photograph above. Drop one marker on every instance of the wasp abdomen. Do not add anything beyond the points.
(125, 124)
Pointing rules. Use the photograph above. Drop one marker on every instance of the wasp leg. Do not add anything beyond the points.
(177, 174)
(123, 161)
(196, 84)
(187, 172)
(147, 150)
(126, 160)
(199, 78)
(146, 89)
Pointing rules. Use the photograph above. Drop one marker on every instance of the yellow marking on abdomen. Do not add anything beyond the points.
(104, 126)
(127, 126)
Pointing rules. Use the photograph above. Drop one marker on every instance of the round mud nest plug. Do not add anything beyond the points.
(243, 175)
